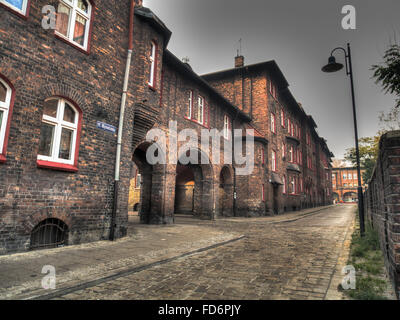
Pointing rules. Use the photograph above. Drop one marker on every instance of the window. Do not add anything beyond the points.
(153, 66)
(291, 154)
(355, 176)
(284, 184)
(292, 186)
(73, 21)
(282, 118)
(273, 159)
(301, 185)
(6, 104)
(301, 158)
(344, 176)
(59, 136)
(200, 115)
(20, 6)
(190, 104)
(289, 125)
(273, 123)
(283, 150)
(272, 89)
(226, 127)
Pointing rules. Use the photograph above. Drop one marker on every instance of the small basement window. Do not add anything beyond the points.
(50, 233)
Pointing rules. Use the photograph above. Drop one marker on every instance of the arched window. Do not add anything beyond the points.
(59, 135)
(6, 100)
(50, 233)
(73, 21)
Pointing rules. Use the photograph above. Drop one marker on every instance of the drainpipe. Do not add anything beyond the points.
(121, 121)
(233, 164)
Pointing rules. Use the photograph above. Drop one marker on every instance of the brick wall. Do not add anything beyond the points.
(382, 203)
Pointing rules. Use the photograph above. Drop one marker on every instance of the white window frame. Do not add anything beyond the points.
(226, 126)
(5, 107)
(190, 104)
(21, 11)
(293, 183)
(73, 6)
(273, 160)
(59, 124)
(200, 112)
(153, 63)
(273, 123)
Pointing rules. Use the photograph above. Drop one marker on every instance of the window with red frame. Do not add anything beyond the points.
(291, 154)
(153, 65)
(283, 150)
(282, 118)
(273, 161)
(273, 123)
(289, 125)
(59, 132)
(6, 101)
(73, 21)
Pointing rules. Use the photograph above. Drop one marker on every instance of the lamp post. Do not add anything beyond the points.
(334, 66)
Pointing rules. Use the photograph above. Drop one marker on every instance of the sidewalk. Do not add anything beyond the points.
(21, 277)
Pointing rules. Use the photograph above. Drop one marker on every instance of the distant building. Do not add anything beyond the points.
(345, 184)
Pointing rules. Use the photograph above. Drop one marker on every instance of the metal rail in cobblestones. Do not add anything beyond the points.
(65, 291)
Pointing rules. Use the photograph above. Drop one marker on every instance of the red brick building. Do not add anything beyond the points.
(345, 184)
(62, 93)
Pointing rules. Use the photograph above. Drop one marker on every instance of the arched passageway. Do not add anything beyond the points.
(194, 185)
(225, 192)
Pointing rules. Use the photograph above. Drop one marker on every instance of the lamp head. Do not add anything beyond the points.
(332, 65)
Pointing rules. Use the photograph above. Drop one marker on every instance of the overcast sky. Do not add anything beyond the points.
(299, 35)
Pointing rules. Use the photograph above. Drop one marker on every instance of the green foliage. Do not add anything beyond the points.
(388, 73)
(368, 289)
(369, 150)
(367, 259)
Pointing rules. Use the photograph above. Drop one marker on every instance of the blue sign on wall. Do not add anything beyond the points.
(106, 127)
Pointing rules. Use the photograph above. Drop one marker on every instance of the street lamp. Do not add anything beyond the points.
(334, 66)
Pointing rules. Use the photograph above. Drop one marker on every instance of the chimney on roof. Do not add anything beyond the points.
(239, 61)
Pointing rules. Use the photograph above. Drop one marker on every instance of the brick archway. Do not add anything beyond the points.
(195, 179)
(225, 194)
(151, 185)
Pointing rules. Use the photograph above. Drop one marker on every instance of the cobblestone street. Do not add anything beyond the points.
(294, 258)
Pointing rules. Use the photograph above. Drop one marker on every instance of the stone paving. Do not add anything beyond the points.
(293, 256)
